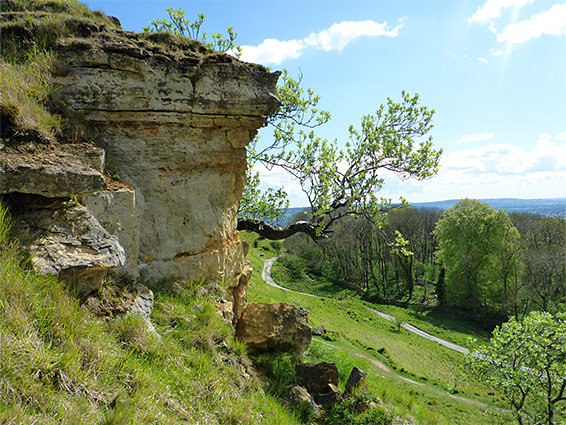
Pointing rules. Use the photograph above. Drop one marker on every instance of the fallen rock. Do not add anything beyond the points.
(329, 398)
(274, 327)
(66, 240)
(300, 398)
(321, 380)
(315, 377)
(321, 330)
(355, 379)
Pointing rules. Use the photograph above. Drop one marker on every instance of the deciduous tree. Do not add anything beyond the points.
(527, 362)
(474, 243)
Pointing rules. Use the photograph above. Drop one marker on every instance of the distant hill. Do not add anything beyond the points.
(548, 207)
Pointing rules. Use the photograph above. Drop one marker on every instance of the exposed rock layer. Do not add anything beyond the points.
(176, 130)
(69, 242)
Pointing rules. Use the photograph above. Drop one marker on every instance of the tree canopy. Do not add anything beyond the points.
(527, 362)
(477, 245)
(338, 181)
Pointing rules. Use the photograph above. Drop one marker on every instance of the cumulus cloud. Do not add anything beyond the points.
(335, 38)
(338, 36)
(272, 51)
(482, 60)
(493, 171)
(475, 137)
(492, 9)
(549, 22)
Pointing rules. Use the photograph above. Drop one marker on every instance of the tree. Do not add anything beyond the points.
(543, 248)
(527, 362)
(474, 244)
(341, 182)
(179, 25)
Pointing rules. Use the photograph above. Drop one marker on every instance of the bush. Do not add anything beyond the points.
(295, 266)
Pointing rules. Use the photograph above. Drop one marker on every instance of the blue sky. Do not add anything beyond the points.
(494, 71)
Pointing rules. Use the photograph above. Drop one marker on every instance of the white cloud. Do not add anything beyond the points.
(276, 178)
(273, 51)
(495, 171)
(338, 36)
(335, 38)
(497, 52)
(475, 137)
(483, 60)
(550, 22)
(492, 9)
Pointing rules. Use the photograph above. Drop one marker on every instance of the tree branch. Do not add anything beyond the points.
(275, 233)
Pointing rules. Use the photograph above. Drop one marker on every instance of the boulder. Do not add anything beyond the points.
(274, 327)
(301, 399)
(315, 377)
(329, 398)
(319, 331)
(355, 379)
(321, 380)
(66, 240)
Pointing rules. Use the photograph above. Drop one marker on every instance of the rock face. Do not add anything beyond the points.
(176, 130)
(116, 212)
(274, 327)
(50, 170)
(69, 242)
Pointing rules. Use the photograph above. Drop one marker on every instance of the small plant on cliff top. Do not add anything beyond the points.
(181, 26)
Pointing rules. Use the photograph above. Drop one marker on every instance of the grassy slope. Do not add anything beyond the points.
(61, 365)
(358, 331)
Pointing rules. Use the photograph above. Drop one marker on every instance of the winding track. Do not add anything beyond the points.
(266, 276)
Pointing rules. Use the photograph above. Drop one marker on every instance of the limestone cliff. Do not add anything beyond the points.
(177, 131)
(173, 125)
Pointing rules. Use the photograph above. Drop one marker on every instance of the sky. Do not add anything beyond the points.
(493, 70)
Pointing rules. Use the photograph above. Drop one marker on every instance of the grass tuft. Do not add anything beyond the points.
(26, 90)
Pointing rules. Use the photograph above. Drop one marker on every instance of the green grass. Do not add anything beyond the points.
(61, 365)
(26, 88)
(356, 331)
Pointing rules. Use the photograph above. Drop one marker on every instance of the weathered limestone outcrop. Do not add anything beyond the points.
(69, 242)
(274, 327)
(116, 211)
(176, 130)
(52, 170)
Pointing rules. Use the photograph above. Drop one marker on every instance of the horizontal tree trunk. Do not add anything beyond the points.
(275, 233)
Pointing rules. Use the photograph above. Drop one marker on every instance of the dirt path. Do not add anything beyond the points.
(266, 276)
